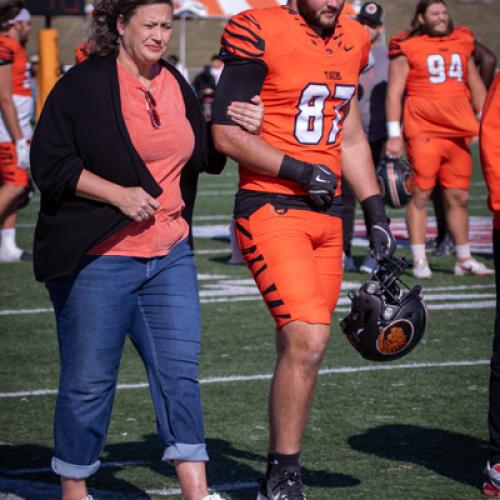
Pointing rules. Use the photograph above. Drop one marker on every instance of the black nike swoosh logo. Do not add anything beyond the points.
(348, 49)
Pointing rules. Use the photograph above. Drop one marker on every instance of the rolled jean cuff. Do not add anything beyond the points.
(74, 471)
(185, 452)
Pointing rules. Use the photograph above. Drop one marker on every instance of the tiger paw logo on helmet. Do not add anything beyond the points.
(396, 181)
(395, 337)
(387, 318)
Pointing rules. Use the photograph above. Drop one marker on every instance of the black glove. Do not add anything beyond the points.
(382, 241)
(319, 181)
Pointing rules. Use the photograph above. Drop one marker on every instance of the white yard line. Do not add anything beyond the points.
(212, 217)
(268, 376)
(38, 489)
(219, 288)
(215, 251)
(250, 296)
(217, 192)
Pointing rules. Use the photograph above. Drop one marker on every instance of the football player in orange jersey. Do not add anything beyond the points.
(433, 64)
(490, 162)
(16, 107)
(442, 244)
(304, 60)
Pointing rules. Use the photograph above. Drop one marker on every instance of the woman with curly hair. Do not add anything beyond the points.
(116, 156)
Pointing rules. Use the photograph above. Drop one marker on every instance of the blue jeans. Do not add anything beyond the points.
(156, 302)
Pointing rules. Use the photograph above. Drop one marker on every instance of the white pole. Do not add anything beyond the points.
(182, 40)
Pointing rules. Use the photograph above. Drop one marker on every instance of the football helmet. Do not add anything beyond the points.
(387, 318)
(396, 181)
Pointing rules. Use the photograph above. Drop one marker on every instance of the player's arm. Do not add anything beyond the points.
(486, 62)
(357, 162)
(240, 81)
(7, 106)
(244, 50)
(398, 74)
(476, 86)
(358, 169)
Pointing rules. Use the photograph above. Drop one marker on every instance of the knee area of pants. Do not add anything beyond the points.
(86, 390)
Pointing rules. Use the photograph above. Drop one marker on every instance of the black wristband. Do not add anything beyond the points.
(374, 211)
(294, 170)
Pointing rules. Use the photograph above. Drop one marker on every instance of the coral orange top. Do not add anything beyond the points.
(490, 148)
(437, 97)
(165, 151)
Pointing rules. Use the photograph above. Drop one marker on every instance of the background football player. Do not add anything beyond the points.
(442, 244)
(490, 162)
(16, 109)
(371, 95)
(304, 59)
(432, 63)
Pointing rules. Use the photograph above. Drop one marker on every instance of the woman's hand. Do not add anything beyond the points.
(248, 115)
(135, 203)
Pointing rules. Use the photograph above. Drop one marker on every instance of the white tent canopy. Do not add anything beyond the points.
(212, 9)
(220, 8)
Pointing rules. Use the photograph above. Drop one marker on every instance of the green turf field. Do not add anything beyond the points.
(411, 430)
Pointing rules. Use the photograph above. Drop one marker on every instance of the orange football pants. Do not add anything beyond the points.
(295, 257)
(10, 173)
(436, 158)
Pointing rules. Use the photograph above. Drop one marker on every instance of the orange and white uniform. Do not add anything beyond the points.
(12, 53)
(438, 117)
(490, 148)
(295, 254)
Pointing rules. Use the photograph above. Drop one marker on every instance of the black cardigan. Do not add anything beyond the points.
(82, 126)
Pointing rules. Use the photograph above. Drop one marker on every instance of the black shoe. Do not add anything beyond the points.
(431, 244)
(444, 247)
(26, 257)
(284, 486)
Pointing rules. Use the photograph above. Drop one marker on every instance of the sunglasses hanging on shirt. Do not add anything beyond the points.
(151, 106)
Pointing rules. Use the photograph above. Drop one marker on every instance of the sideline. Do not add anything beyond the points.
(268, 376)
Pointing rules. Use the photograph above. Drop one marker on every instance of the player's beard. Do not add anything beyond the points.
(316, 19)
(428, 29)
(23, 36)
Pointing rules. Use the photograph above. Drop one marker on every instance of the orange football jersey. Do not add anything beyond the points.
(349, 10)
(437, 97)
(13, 53)
(308, 84)
(490, 147)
